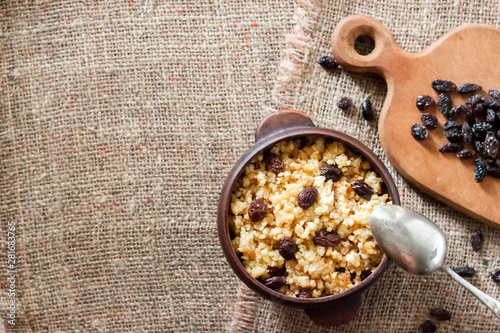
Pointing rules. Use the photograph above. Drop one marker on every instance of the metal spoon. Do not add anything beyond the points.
(418, 246)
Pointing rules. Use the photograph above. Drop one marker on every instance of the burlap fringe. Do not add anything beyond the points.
(295, 59)
(244, 311)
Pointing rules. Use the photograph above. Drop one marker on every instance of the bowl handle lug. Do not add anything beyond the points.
(281, 121)
(339, 313)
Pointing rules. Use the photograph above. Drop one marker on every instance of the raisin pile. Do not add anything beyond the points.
(472, 129)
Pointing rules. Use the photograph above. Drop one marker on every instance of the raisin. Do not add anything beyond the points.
(257, 210)
(440, 314)
(365, 274)
(453, 134)
(326, 239)
(493, 171)
(362, 189)
(428, 327)
(466, 153)
(494, 93)
(477, 240)
(467, 133)
(480, 129)
(328, 63)
(419, 132)
(331, 172)
(307, 197)
(276, 271)
(480, 170)
(479, 147)
(344, 103)
(274, 163)
(275, 282)
(465, 271)
(449, 124)
(341, 269)
(452, 114)
(424, 101)
(287, 248)
(451, 147)
(444, 103)
(366, 110)
(490, 146)
(353, 276)
(468, 88)
(498, 133)
(306, 293)
(492, 103)
(476, 104)
(443, 85)
(429, 120)
(491, 116)
(495, 275)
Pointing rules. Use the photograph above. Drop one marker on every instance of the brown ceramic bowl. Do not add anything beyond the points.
(328, 310)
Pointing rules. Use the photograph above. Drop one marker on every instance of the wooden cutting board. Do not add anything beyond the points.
(467, 54)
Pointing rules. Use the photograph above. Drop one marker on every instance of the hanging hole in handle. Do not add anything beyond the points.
(364, 45)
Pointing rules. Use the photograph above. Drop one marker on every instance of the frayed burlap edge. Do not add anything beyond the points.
(295, 61)
(287, 88)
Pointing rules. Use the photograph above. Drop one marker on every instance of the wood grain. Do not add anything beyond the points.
(467, 54)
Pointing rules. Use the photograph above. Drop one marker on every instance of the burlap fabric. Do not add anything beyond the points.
(400, 302)
(120, 121)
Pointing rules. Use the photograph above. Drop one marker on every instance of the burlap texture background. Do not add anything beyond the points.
(399, 302)
(119, 123)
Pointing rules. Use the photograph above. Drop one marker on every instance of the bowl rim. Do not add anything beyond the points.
(224, 210)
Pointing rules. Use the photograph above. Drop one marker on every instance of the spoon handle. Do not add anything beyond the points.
(490, 302)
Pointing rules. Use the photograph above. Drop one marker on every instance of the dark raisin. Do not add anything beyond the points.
(341, 269)
(477, 240)
(331, 172)
(275, 282)
(362, 189)
(468, 114)
(466, 153)
(479, 147)
(366, 110)
(480, 129)
(450, 124)
(490, 146)
(480, 170)
(451, 147)
(344, 103)
(419, 132)
(494, 93)
(274, 163)
(495, 275)
(326, 239)
(498, 133)
(465, 271)
(493, 171)
(365, 274)
(454, 134)
(476, 104)
(443, 85)
(276, 271)
(429, 120)
(440, 314)
(428, 327)
(306, 293)
(307, 197)
(468, 88)
(257, 210)
(353, 276)
(287, 248)
(467, 133)
(424, 101)
(328, 63)
(492, 103)
(491, 116)
(444, 103)
(452, 114)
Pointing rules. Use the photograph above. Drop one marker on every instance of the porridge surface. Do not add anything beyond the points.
(338, 210)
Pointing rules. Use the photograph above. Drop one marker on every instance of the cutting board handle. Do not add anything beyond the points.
(385, 55)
